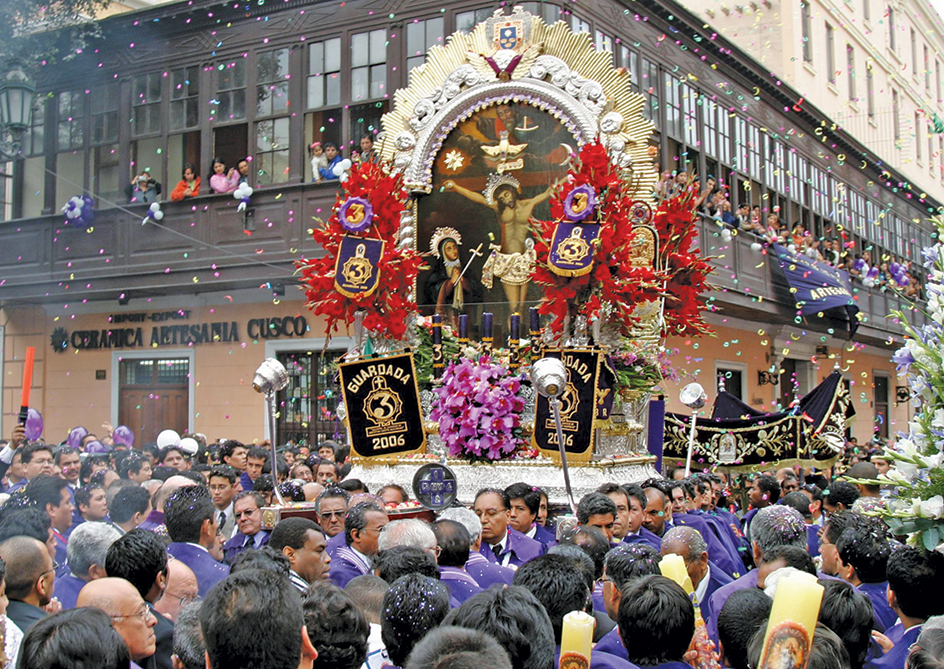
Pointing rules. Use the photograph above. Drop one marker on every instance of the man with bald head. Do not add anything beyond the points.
(130, 615)
(31, 579)
(180, 591)
(155, 520)
(706, 578)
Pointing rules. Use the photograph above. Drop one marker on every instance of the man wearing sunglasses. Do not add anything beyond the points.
(247, 512)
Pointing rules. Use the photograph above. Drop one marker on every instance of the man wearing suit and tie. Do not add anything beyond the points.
(223, 490)
(502, 544)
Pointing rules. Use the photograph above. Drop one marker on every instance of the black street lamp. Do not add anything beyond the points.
(16, 109)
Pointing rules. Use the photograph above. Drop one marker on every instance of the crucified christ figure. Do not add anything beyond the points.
(513, 261)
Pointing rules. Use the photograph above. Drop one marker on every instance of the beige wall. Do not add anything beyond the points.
(67, 393)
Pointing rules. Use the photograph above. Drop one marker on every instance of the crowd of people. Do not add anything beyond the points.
(159, 558)
(324, 158)
(713, 202)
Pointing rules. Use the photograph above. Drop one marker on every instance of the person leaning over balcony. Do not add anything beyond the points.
(143, 189)
(188, 186)
(333, 155)
(220, 181)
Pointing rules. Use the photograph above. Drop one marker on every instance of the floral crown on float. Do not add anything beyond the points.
(441, 234)
(494, 182)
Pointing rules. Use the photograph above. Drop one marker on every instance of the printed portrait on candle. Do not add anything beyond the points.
(494, 172)
(787, 647)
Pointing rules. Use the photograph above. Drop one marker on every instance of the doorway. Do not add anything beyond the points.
(154, 395)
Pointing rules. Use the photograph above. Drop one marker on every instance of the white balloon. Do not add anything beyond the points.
(346, 164)
(792, 248)
(247, 191)
(237, 194)
(158, 215)
(155, 206)
(168, 438)
(79, 204)
(868, 283)
(189, 445)
(756, 247)
(338, 169)
(343, 178)
(726, 235)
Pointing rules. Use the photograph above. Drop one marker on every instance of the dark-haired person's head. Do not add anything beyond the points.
(865, 470)
(458, 648)
(916, 584)
(592, 541)
(140, 558)
(190, 516)
(557, 585)
(90, 502)
(266, 558)
(362, 526)
(76, 639)
(656, 621)
(135, 467)
(863, 553)
(303, 543)
(516, 619)
(781, 557)
(393, 494)
(28, 522)
(454, 543)
(764, 491)
(392, 563)
(254, 620)
(597, 510)
(800, 502)
(524, 502)
(833, 529)
(744, 613)
(848, 613)
(51, 494)
(491, 506)
(189, 648)
(37, 460)
(840, 495)
(412, 607)
(336, 627)
(623, 565)
(130, 507)
(331, 506)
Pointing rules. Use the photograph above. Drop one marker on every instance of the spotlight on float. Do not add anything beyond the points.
(549, 378)
(694, 397)
(269, 379)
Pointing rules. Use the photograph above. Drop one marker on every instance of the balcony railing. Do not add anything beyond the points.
(202, 245)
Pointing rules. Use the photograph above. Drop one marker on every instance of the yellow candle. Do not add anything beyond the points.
(576, 640)
(792, 622)
(673, 566)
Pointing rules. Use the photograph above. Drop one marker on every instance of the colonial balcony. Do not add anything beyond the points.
(203, 245)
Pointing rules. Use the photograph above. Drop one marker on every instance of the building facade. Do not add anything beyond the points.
(162, 325)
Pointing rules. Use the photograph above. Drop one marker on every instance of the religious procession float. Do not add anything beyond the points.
(510, 278)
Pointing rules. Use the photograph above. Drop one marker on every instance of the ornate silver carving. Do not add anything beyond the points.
(541, 472)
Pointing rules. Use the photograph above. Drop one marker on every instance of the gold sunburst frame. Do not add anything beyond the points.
(520, 58)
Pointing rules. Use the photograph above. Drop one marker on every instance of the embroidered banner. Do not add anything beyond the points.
(383, 405)
(817, 286)
(578, 407)
(357, 269)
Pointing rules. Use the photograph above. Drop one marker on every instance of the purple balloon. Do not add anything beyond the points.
(96, 447)
(873, 273)
(894, 268)
(859, 265)
(34, 424)
(123, 435)
(76, 436)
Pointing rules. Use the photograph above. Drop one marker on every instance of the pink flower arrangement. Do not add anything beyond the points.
(479, 410)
